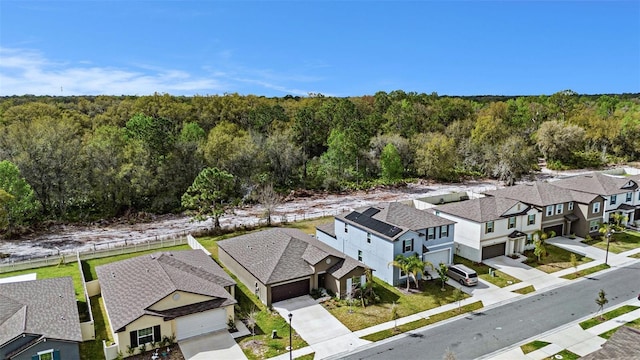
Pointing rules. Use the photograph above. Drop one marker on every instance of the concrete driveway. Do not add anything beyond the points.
(525, 273)
(216, 345)
(323, 332)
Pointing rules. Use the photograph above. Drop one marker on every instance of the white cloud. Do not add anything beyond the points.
(28, 72)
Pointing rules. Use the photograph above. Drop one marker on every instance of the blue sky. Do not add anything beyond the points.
(348, 48)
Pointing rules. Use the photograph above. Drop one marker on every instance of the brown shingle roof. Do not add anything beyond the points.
(400, 215)
(45, 307)
(482, 209)
(623, 344)
(538, 194)
(129, 287)
(595, 183)
(281, 254)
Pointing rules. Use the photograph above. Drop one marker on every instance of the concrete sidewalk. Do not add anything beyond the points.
(570, 337)
(525, 273)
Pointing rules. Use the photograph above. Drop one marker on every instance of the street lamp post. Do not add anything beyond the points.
(290, 345)
(609, 233)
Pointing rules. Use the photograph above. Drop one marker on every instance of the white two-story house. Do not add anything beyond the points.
(491, 226)
(621, 194)
(375, 235)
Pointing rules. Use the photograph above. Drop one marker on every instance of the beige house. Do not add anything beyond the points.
(177, 294)
(279, 264)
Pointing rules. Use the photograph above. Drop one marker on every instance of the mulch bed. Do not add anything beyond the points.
(173, 354)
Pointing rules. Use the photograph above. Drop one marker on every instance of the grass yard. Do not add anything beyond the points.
(585, 272)
(556, 259)
(634, 324)
(356, 317)
(309, 226)
(525, 290)
(380, 335)
(533, 346)
(54, 271)
(620, 241)
(500, 279)
(92, 349)
(306, 357)
(635, 256)
(607, 316)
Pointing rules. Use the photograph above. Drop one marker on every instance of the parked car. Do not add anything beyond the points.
(463, 275)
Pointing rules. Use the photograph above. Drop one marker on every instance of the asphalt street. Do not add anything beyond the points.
(485, 332)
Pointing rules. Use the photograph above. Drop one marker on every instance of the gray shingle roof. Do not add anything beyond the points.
(595, 183)
(45, 307)
(129, 287)
(282, 254)
(480, 210)
(327, 228)
(402, 216)
(538, 194)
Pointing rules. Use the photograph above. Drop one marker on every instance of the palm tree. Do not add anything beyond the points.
(404, 264)
(417, 266)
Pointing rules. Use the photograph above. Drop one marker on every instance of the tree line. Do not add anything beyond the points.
(88, 157)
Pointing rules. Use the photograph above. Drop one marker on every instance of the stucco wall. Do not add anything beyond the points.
(167, 328)
(184, 299)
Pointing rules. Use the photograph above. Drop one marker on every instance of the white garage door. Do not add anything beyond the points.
(437, 257)
(201, 323)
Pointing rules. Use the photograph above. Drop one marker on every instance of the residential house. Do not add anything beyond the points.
(281, 263)
(621, 194)
(39, 320)
(491, 226)
(178, 293)
(563, 211)
(375, 235)
(623, 344)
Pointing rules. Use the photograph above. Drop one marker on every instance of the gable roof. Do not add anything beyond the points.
(482, 209)
(44, 307)
(129, 287)
(598, 183)
(391, 220)
(538, 194)
(623, 344)
(281, 254)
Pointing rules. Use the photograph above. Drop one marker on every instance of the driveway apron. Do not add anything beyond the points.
(217, 345)
(539, 279)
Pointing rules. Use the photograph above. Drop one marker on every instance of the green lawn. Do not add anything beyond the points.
(533, 346)
(525, 290)
(309, 226)
(54, 271)
(92, 349)
(586, 272)
(566, 355)
(356, 317)
(620, 241)
(380, 335)
(500, 279)
(607, 316)
(635, 256)
(556, 259)
(633, 324)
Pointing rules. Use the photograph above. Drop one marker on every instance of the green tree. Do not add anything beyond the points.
(558, 140)
(442, 273)
(391, 163)
(601, 300)
(402, 263)
(394, 315)
(540, 251)
(20, 205)
(515, 159)
(339, 160)
(436, 157)
(231, 148)
(5, 199)
(212, 194)
(458, 296)
(574, 261)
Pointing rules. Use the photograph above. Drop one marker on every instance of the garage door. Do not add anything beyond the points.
(493, 251)
(290, 290)
(437, 257)
(557, 229)
(201, 323)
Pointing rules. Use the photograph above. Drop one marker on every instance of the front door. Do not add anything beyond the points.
(321, 279)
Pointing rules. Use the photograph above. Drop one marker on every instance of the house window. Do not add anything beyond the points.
(549, 210)
(407, 245)
(629, 196)
(44, 355)
(559, 208)
(512, 222)
(488, 227)
(638, 195)
(431, 233)
(531, 219)
(359, 255)
(594, 225)
(345, 228)
(368, 238)
(444, 230)
(596, 208)
(529, 239)
(145, 335)
(570, 207)
(613, 199)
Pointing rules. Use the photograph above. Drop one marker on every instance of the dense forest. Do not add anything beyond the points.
(88, 157)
